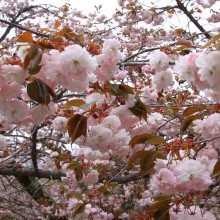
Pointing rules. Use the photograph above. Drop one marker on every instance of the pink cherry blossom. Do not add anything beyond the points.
(16, 111)
(13, 73)
(209, 68)
(75, 60)
(112, 122)
(162, 79)
(159, 61)
(59, 123)
(91, 178)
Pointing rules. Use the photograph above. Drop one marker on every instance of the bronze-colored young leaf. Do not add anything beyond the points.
(216, 170)
(38, 92)
(146, 139)
(52, 93)
(73, 165)
(34, 69)
(187, 122)
(125, 89)
(114, 89)
(25, 37)
(140, 109)
(135, 157)
(148, 159)
(120, 89)
(212, 41)
(192, 109)
(33, 57)
(79, 209)
(77, 126)
(74, 102)
(160, 210)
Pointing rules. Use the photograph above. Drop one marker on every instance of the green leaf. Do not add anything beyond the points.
(77, 126)
(146, 139)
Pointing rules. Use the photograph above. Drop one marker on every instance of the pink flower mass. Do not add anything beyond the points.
(108, 117)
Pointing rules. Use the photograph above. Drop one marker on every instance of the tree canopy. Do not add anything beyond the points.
(110, 118)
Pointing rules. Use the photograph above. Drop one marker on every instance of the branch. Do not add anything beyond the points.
(7, 31)
(11, 24)
(25, 172)
(189, 15)
(128, 178)
(34, 147)
(55, 175)
(140, 52)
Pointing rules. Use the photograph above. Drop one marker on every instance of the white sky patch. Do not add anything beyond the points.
(86, 6)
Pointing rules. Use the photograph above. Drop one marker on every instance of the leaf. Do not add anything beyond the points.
(135, 157)
(57, 24)
(212, 41)
(25, 37)
(77, 126)
(120, 89)
(192, 109)
(184, 43)
(140, 109)
(76, 194)
(160, 209)
(187, 122)
(33, 57)
(125, 89)
(79, 209)
(34, 70)
(146, 139)
(73, 165)
(40, 92)
(148, 159)
(74, 102)
(216, 170)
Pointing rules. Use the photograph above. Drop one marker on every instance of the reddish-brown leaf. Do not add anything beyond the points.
(77, 126)
(216, 170)
(146, 139)
(78, 209)
(184, 43)
(160, 209)
(33, 57)
(74, 102)
(25, 37)
(34, 69)
(57, 24)
(135, 157)
(140, 109)
(40, 92)
(192, 109)
(148, 159)
(187, 122)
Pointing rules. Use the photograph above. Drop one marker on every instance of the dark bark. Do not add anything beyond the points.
(189, 15)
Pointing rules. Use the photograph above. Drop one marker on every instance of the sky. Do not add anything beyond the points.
(85, 5)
